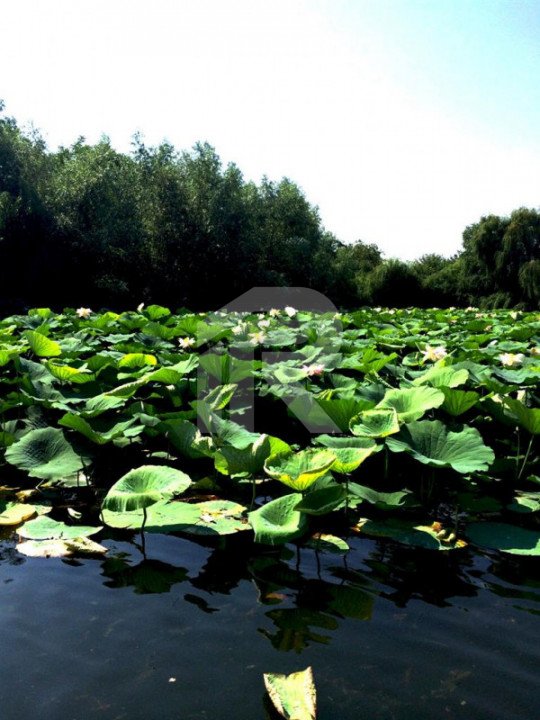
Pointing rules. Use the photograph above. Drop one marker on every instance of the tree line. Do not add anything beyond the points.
(88, 225)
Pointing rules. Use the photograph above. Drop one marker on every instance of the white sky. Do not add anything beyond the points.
(403, 120)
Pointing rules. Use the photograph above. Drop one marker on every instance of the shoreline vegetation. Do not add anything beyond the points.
(179, 229)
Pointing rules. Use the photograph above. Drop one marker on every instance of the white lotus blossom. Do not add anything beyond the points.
(514, 315)
(263, 323)
(274, 312)
(84, 312)
(239, 329)
(471, 309)
(140, 307)
(434, 353)
(511, 359)
(257, 338)
(290, 311)
(186, 342)
(315, 369)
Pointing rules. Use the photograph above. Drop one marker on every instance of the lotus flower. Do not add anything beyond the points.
(83, 312)
(511, 359)
(434, 353)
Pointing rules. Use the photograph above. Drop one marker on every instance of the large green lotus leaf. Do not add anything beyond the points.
(457, 402)
(41, 345)
(70, 374)
(294, 696)
(12, 513)
(408, 533)
(60, 548)
(144, 486)
(440, 376)
(527, 418)
(183, 435)
(226, 368)
(504, 537)
(278, 521)
(299, 470)
(346, 441)
(349, 459)
(100, 404)
(248, 461)
(44, 453)
(341, 410)
(411, 403)
(375, 423)
(76, 422)
(382, 500)
(430, 442)
(321, 502)
(135, 361)
(45, 528)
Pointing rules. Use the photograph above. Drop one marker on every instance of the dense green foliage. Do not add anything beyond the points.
(408, 424)
(89, 224)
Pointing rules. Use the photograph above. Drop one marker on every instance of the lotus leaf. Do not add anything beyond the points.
(504, 537)
(411, 403)
(144, 486)
(45, 528)
(432, 443)
(375, 423)
(15, 513)
(44, 453)
(430, 537)
(60, 548)
(41, 345)
(299, 470)
(278, 521)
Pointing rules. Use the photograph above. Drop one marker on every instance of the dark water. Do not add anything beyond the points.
(390, 633)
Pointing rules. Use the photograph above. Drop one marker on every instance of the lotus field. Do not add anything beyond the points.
(419, 426)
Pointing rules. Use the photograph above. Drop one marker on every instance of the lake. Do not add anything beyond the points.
(391, 633)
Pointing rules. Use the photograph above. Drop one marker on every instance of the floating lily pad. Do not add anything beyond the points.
(430, 537)
(504, 537)
(45, 528)
(60, 548)
(15, 513)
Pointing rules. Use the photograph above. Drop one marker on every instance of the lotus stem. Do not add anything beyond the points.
(525, 459)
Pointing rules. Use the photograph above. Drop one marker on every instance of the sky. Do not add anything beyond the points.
(404, 121)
